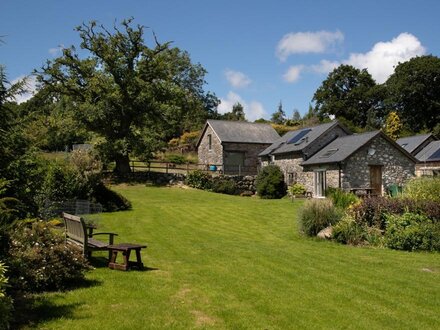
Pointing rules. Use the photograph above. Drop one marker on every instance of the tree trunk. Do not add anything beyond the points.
(122, 164)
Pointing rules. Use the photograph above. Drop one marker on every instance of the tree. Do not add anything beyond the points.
(279, 116)
(296, 116)
(135, 97)
(393, 126)
(347, 92)
(414, 92)
(237, 113)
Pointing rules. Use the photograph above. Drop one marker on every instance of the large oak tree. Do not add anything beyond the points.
(134, 96)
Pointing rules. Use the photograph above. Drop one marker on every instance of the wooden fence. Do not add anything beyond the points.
(167, 167)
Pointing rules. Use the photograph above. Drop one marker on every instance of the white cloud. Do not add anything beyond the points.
(307, 42)
(381, 60)
(31, 87)
(253, 110)
(237, 79)
(293, 73)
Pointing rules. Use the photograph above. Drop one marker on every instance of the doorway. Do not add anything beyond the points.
(320, 179)
(376, 179)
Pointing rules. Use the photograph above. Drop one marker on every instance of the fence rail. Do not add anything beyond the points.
(167, 167)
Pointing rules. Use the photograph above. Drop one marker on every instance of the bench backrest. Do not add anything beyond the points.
(76, 231)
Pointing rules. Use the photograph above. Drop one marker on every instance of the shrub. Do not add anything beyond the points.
(424, 188)
(5, 301)
(175, 159)
(318, 214)
(348, 231)
(199, 179)
(40, 260)
(224, 186)
(110, 200)
(297, 189)
(412, 232)
(341, 198)
(270, 182)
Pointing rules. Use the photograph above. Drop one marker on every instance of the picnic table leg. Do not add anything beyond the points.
(126, 255)
(138, 259)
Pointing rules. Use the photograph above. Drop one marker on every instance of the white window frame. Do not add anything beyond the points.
(319, 183)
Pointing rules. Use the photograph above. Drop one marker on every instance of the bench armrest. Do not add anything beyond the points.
(111, 236)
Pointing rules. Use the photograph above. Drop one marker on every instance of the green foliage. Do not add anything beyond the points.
(270, 182)
(237, 113)
(414, 91)
(412, 232)
(348, 93)
(110, 200)
(5, 301)
(348, 231)
(283, 129)
(40, 260)
(340, 198)
(297, 189)
(175, 159)
(318, 214)
(279, 116)
(423, 188)
(223, 185)
(199, 179)
(135, 98)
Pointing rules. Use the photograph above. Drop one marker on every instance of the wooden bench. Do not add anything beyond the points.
(79, 234)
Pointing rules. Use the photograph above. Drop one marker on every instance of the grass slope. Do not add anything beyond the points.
(239, 263)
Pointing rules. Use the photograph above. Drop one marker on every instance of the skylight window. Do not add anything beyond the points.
(298, 136)
(435, 155)
(328, 153)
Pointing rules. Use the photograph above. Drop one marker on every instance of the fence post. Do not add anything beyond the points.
(166, 167)
(132, 166)
(239, 170)
(149, 166)
(187, 168)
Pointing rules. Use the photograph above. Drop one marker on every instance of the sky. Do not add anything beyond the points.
(258, 53)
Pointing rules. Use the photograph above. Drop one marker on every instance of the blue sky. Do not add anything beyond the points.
(257, 53)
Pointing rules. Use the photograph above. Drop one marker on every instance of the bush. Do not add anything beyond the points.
(5, 301)
(175, 159)
(40, 260)
(341, 198)
(372, 212)
(110, 200)
(297, 189)
(270, 182)
(199, 179)
(224, 186)
(423, 189)
(318, 214)
(412, 232)
(348, 231)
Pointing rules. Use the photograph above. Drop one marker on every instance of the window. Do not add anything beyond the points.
(320, 183)
(297, 137)
(328, 153)
(209, 141)
(291, 178)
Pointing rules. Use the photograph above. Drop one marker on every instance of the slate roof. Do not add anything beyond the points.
(411, 143)
(242, 132)
(341, 148)
(306, 137)
(431, 153)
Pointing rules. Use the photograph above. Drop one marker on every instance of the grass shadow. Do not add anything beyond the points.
(30, 310)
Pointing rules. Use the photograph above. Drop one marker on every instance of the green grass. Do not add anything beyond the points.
(228, 262)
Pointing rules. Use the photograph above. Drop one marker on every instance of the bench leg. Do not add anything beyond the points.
(138, 259)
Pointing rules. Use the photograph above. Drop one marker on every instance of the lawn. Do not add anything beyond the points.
(226, 262)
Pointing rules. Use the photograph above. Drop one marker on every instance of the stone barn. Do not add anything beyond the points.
(368, 163)
(232, 147)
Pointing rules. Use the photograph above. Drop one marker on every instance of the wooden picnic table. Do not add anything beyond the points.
(356, 190)
(126, 249)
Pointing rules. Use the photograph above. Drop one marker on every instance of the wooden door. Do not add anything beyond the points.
(376, 179)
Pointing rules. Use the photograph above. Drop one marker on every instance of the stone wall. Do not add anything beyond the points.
(396, 167)
(215, 154)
